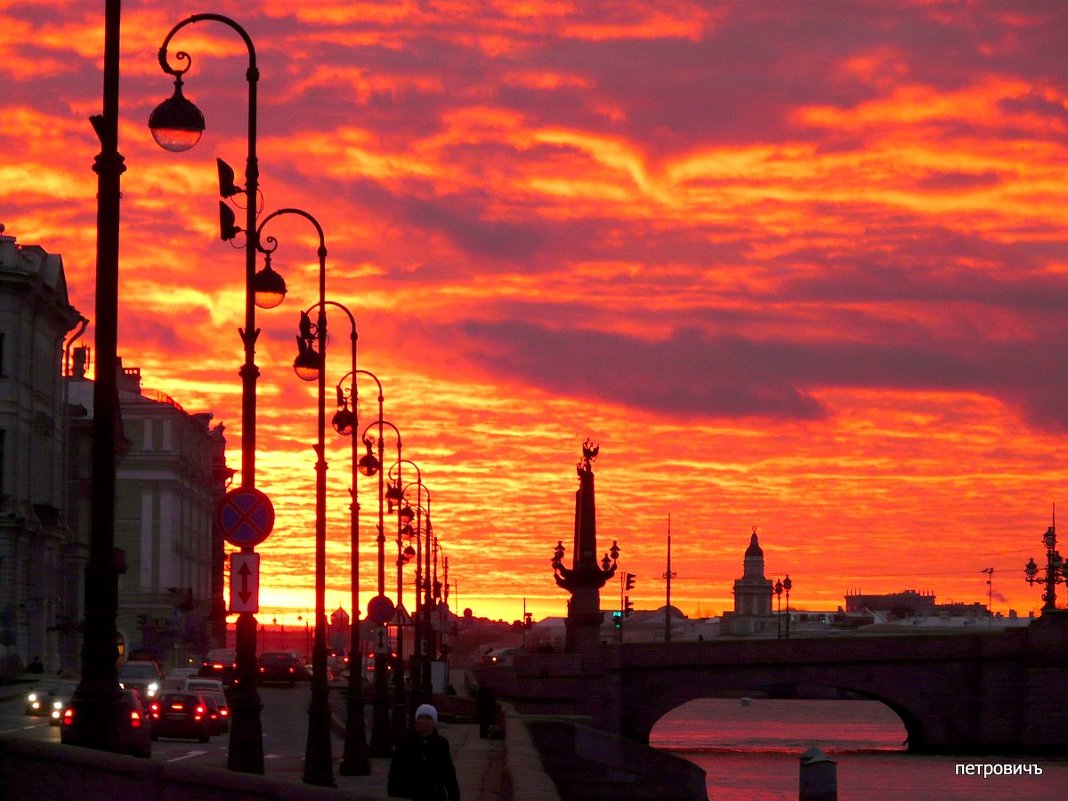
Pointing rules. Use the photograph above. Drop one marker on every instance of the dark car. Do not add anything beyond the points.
(135, 736)
(282, 666)
(218, 710)
(39, 700)
(181, 714)
(220, 663)
(60, 701)
(144, 677)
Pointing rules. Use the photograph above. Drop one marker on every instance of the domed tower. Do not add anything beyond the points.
(752, 594)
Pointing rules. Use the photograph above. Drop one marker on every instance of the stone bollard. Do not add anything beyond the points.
(819, 777)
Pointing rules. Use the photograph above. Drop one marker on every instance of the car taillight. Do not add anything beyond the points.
(224, 713)
(198, 713)
(68, 716)
(263, 670)
(292, 670)
(153, 709)
(135, 719)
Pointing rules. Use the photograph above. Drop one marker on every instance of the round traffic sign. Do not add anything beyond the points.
(245, 517)
(379, 609)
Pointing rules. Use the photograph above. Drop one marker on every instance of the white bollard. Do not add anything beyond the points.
(819, 777)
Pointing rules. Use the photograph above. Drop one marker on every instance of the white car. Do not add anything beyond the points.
(204, 685)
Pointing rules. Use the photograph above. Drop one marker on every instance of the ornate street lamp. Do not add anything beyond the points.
(380, 608)
(787, 585)
(1055, 572)
(405, 553)
(778, 615)
(177, 124)
(310, 365)
(424, 641)
(371, 465)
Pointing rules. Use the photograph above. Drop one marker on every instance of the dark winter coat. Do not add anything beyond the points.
(422, 769)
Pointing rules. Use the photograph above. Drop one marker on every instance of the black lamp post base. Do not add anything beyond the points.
(318, 761)
(354, 761)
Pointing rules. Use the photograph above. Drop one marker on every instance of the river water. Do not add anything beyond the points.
(752, 753)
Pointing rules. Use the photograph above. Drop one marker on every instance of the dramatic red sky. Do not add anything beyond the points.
(794, 265)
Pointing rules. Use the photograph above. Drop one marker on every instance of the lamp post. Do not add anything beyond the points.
(1056, 571)
(310, 365)
(346, 423)
(405, 554)
(787, 585)
(177, 125)
(421, 679)
(96, 705)
(778, 615)
(383, 607)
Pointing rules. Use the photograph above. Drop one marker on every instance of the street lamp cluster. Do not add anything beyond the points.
(177, 125)
(783, 585)
(1055, 572)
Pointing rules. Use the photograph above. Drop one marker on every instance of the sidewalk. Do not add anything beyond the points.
(479, 767)
(480, 764)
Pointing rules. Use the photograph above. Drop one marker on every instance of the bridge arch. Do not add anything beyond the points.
(640, 719)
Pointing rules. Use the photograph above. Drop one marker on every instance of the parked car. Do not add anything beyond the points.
(220, 663)
(60, 699)
(135, 736)
(141, 676)
(282, 666)
(182, 714)
(218, 710)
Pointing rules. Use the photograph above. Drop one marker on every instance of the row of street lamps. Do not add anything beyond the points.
(177, 125)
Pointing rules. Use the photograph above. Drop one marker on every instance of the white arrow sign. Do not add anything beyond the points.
(244, 582)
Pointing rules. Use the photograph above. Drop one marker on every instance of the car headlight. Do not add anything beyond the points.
(153, 688)
(32, 698)
(57, 704)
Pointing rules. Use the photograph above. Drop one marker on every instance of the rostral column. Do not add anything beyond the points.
(586, 576)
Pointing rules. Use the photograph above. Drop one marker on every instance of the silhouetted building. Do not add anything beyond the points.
(910, 603)
(167, 480)
(752, 596)
(40, 561)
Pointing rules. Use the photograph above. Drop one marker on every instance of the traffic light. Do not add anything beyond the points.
(628, 607)
(617, 619)
(628, 583)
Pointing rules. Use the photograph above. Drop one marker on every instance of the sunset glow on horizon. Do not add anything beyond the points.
(797, 266)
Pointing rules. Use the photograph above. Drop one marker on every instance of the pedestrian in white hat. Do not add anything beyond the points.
(422, 768)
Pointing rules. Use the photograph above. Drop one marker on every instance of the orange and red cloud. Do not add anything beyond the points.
(798, 266)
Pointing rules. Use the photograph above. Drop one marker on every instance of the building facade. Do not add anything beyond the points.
(170, 474)
(752, 596)
(41, 557)
(171, 470)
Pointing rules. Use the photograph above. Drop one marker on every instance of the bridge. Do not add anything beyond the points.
(980, 692)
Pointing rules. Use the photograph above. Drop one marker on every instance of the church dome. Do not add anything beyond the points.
(754, 549)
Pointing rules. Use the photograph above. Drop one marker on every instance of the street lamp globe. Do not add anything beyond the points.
(176, 123)
(344, 421)
(269, 287)
(369, 464)
(307, 365)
